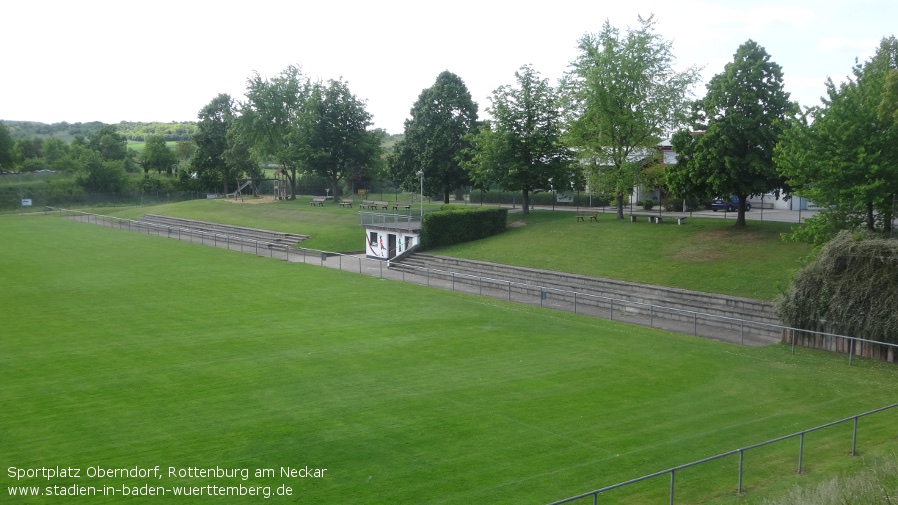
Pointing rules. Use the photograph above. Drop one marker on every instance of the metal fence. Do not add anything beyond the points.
(671, 472)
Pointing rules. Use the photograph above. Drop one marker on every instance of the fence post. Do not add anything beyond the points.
(741, 460)
(611, 317)
(575, 302)
(651, 316)
(854, 439)
(792, 330)
(850, 351)
(672, 487)
(800, 450)
(742, 331)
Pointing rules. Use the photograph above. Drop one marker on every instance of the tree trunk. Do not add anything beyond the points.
(525, 202)
(619, 200)
(740, 215)
(291, 176)
(446, 196)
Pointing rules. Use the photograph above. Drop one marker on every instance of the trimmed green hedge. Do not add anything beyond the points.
(457, 223)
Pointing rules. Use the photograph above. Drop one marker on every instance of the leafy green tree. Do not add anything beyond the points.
(888, 107)
(109, 143)
(101, 176)
(521, 148)
(274, 110)
(846, 159)
(57, 155)
(6, 146)
(435, 138)
(334, 140)
(157, 156)
(28, 148)
(238, 157)
(624, 96)
(185, 149)
(741, 119)
(211, 140)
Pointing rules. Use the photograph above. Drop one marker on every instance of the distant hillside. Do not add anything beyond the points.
(135, 131)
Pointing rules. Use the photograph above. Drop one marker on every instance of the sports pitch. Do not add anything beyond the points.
(121, 351)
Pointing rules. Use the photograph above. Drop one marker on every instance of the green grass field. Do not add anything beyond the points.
(123, 350)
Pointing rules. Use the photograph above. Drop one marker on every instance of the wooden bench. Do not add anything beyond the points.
(381, 205)
(318, 200)
(592, 215)
(346, 203)
(402, 205)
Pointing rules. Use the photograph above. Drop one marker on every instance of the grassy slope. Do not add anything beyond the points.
(707, 255)
(123, 350)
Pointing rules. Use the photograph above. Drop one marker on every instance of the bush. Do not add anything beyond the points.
(648, 204)
(850, 288)
(455, 224)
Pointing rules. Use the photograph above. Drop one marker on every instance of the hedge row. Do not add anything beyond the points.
(455, 224)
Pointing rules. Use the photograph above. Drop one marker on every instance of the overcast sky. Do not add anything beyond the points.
(112, 61)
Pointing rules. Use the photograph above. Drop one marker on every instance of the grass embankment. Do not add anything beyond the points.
(123, 350)
(708, 255)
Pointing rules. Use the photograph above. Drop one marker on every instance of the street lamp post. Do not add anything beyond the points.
(420, 174)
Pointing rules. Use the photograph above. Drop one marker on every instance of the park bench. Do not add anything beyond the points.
(656, 218)
(592, 215)
(381, 205)
(402, 205)
(318, 200)
(346, 202)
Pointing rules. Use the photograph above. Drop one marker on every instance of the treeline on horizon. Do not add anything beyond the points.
(132, 130)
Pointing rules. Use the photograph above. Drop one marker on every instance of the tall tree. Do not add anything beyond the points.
(435, 138)
(846, 159)
(157, 156)
(334, 140)
(522, 148)
(185, 149)
(740, 120)
(238, 156)
(271, 115)
(211, 140)
(6, 146)
(109, 143)
(624, 96)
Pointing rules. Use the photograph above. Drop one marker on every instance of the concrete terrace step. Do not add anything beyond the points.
(705, 303)
(281, 238)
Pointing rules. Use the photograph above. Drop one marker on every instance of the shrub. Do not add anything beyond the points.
(850, 288)
(458, 223)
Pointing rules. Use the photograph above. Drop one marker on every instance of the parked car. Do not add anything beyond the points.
(729, 204)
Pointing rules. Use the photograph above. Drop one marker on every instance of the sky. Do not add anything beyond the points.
(113, 61)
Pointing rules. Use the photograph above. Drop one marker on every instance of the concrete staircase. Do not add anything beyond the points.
(286, 240)
(755, 311)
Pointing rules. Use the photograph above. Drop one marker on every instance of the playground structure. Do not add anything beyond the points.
(281, 183)
(238, 193)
